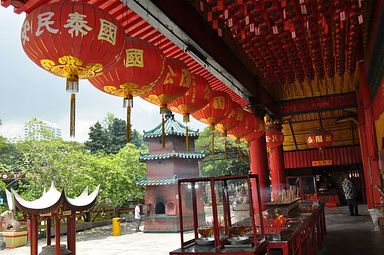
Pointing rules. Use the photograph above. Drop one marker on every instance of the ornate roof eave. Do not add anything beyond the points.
(171, 155)
(48, 202)
(157, 182)
(51, 200)
(84, 201)
(171, 127)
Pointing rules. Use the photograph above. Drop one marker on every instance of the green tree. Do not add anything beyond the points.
(10, 157)
(72, 167)
(109, 136)
(137, 139)
(98, 139)
(221, 163)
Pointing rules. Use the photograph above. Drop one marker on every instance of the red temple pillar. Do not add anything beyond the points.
(33, 235)
(48, 230)
(71, 232)
(368, 141)
(259, 165)
(57, 235)
(276, 164)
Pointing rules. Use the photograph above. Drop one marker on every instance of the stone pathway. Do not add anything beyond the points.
(351, 235)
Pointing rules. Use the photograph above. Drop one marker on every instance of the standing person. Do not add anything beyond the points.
(138, 217)
(350, 193)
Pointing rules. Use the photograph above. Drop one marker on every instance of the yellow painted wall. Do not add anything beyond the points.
(379, 125)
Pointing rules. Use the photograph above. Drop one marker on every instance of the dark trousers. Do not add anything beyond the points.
(138, 221)
(353, 207)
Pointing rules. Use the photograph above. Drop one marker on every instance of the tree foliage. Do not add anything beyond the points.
(217, 164)
(10, 157)
(72, 167)
(109, 136)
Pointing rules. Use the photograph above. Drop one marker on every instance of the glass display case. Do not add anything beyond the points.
(225, 215)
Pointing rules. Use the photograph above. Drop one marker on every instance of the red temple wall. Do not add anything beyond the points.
(172, 143)
(339, 156)
(166, 168)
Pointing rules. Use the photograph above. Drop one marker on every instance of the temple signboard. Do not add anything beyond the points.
(325, 162)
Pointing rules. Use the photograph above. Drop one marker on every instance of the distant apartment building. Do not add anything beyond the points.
(35, 131)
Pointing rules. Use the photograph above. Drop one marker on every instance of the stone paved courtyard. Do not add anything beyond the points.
(341, 229)
(99, 241)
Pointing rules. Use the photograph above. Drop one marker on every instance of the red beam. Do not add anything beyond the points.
(315, 104)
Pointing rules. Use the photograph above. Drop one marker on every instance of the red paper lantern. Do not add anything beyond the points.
(216, 110)
(319, 139)
(256, 128)
(274, 137)
(137, 72)
(234, 118)
(196, 97)
(74, 40)
(243, 129)
(174, 83)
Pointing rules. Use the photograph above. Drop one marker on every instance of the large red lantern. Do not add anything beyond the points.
(319, 139)
(197, 96)
(234, 118)
(216, 110)
(274, 137)
(175, 83)
(74, 40)
(256, 129)
(242, 130)
(137, 72)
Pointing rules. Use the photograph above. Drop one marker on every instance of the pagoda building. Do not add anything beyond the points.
(165, 165)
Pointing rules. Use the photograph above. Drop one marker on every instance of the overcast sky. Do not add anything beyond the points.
(27, 91)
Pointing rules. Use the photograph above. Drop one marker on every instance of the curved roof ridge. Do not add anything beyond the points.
(171, 127)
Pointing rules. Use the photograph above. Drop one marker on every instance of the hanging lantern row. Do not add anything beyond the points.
(126, 67)
(319, 139)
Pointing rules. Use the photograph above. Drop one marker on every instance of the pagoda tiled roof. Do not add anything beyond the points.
(169, 155)
(156, 182)
(171, 127)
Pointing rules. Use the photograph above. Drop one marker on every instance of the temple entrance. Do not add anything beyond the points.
(326, 182)
(160, 208)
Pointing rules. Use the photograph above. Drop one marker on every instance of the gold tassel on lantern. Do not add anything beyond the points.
(128, 103)
(162, 130)
(213, 139)
(225, 145)
(186, 120)
(163, 110)
(72, 86)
